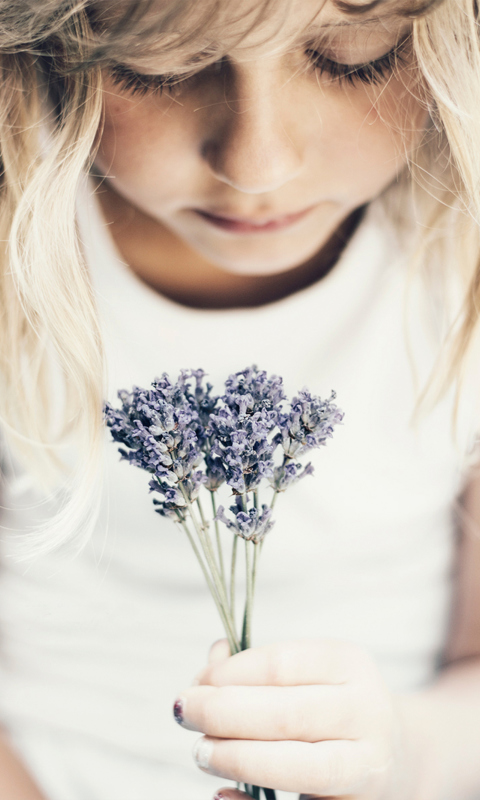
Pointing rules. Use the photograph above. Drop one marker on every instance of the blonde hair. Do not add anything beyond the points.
(55, 50)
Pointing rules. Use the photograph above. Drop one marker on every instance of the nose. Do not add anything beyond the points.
(251, 144)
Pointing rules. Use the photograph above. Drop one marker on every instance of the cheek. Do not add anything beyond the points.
(368, 132)
(144, 143)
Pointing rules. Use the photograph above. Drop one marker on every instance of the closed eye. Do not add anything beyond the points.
(141, 84)
(370, 72)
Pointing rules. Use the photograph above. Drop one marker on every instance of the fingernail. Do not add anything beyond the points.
(219, 796)
(202, 752)
(178, 710)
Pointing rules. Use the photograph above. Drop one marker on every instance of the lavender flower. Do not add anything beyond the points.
(308, 424)
(289, 473)
(215, 472)
(248, 524)
(200, 396)
(163, 434)
(176, 498)
(240, 442)
(251, 390)
(239, 430)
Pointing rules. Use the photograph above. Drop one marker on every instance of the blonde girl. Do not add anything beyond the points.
(293, 183)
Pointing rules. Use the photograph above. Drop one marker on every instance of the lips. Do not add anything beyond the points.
(252, 225)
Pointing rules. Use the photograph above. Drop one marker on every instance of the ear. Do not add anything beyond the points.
(219, 651)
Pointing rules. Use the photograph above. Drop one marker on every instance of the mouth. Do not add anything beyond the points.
(249, 225)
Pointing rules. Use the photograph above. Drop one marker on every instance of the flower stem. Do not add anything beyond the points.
(207, 550)
(211, 586)
(206, 532)
(232, 576)
(219, 543)
(256, 551)
(248, 606)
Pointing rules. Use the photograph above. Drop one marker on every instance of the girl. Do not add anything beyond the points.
(293, 183)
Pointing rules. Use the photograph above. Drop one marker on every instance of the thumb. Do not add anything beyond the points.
(219, 651)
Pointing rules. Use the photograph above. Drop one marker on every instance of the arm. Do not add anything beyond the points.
(315, 717)
(15, 782)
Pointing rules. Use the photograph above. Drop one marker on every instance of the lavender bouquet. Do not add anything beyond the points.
(193, 443)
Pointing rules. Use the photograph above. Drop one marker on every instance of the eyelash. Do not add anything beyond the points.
(372, 72)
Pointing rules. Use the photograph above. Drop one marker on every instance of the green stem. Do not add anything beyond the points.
(248, 610)
(205, 542)
(256, 550)
(211, 587)
(206, 532)
(219, 543)
(232, 576)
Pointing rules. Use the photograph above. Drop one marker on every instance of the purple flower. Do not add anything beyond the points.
(160, 427)
(176, 497)
(250, 524)
(215, 472)
(308, 424)
(288, 474)
(239, 431)
(200, 396)
(162, 433)
(251, 390)
(241, 444)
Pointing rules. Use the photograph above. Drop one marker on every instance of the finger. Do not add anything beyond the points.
(230, 794)
(321, 769)
(270, 713)
(219, 651)
(294, 663)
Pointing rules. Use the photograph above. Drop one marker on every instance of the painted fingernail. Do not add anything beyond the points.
(219, 796)
(178, 710)
(202, 752)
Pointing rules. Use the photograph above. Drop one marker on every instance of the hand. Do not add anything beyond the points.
(304, 716)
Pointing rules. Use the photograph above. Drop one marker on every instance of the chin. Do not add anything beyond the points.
(259, 264)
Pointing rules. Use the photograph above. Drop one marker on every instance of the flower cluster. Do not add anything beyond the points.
(241, 429)
(249, 524)
(308, 423)
(188, 437)
(289, 473)
(164, 435)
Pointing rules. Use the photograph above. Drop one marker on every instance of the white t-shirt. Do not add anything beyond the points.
(94, 650)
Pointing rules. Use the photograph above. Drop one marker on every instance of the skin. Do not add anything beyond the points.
(315, 717)
(263, 136)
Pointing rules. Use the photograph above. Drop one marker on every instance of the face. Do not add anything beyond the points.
(255, 160)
